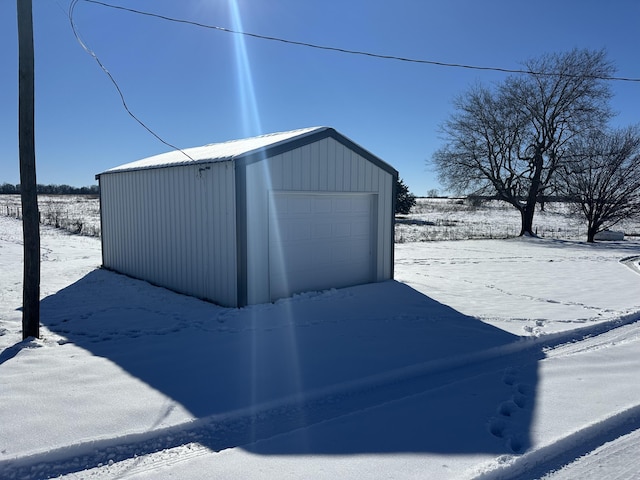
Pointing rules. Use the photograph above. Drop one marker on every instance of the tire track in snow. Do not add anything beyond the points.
(633, 263)
(145, 464)
(617, 336)
(618, 458)
(538, 463)
(544, 461)
(264, 421)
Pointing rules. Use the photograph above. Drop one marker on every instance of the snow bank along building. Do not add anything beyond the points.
(254, 220)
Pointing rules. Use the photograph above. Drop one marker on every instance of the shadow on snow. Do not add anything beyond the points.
(378, 368)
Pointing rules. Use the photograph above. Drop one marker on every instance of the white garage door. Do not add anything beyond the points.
(320, 241)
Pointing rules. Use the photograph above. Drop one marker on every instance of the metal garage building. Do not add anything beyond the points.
(250, 221)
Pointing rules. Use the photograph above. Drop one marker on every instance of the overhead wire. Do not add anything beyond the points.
(84, 45)
(346, 50)
(86, 48)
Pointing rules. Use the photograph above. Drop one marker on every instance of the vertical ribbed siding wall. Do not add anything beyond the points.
(174, 227)
(323, 166)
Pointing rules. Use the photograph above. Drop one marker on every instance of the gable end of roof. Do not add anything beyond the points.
(309, 138)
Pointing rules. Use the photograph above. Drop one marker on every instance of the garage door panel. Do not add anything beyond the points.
(298, 233)
(319, 241)
(361, 205)
(322, 205)
(302, 207)
(342, 230)
(343, 205)
(322, 230)
(360, 228)
(323, 278)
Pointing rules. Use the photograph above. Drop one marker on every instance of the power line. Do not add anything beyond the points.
(346, 50)
(113, 80)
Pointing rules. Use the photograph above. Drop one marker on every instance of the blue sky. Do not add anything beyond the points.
(195, 86)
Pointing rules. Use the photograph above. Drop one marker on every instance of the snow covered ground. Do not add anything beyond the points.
(484, 359)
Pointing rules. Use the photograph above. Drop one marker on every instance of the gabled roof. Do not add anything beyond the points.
(247, 149)
(216, 152)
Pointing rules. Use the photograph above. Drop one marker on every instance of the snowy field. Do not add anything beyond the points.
(458, 219)
(483, 359)
(75, 213)
(431, 219)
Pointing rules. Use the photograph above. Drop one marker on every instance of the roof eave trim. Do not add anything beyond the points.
(168, 165)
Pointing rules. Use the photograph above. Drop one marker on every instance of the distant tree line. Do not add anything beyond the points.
(9, 188)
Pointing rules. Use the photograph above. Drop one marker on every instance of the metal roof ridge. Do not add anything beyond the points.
(146, 163)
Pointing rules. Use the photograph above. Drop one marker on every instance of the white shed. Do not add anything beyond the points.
(254, 220)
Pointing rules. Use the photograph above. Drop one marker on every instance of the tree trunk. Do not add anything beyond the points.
(26, 139)
(532, 196)
(526, 214)
(592, 229)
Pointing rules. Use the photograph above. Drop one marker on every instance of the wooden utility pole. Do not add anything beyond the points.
(28, 193)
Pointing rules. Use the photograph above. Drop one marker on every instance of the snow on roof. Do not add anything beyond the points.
(215, 152)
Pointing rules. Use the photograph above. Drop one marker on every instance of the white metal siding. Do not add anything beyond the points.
(174, 227)
(322, 166)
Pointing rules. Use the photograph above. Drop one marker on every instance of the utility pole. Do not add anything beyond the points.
(28, 193)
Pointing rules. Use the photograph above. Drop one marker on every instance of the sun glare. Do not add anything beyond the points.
(246, 91)
(252, 125)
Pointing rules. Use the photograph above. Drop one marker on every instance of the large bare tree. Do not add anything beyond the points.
(510, 140)
(603, 178)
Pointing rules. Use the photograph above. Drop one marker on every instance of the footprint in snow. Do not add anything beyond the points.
(501, 426)
(516, 444)
(508, 408)
(510, 376)
(520, 400)
(497, 427)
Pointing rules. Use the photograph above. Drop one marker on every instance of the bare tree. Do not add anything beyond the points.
(603, 178)
(510, 141)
